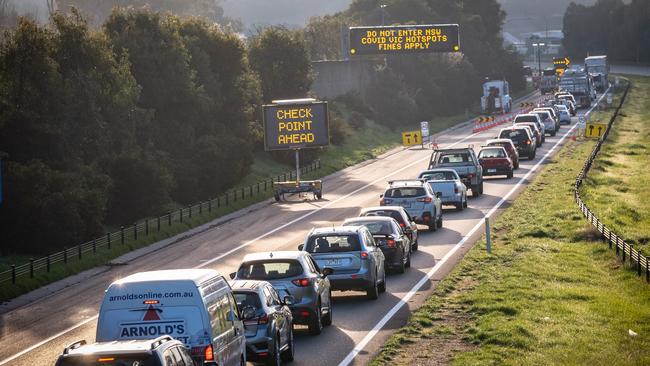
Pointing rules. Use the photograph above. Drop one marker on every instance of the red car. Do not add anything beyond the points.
(495, 161)
(511, 149)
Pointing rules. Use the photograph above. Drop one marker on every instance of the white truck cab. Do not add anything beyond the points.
(195, 306)
(496, 97)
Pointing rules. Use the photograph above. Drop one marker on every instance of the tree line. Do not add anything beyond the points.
(619, 29)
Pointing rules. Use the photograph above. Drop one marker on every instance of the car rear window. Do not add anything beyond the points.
(506, 145)
(405, 192)
(454, 158)
(543, 115)
(375, 227)
(333, 243)
(270, 269)
(247, 299)
(526, 119)
(394, 214)
(110, 360)
(438, 176)
(492, 153)
(516, 135)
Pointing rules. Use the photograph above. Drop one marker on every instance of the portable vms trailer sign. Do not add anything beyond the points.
(290, 125)
(402, 39)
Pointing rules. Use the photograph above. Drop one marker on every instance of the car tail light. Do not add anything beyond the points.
(425, 199)
(303, 282)
(208, 353)
(401, 224)
(390, 243)
(364, 255)
(262, 319)
(455, 189)
(470, 176)
(527, 142)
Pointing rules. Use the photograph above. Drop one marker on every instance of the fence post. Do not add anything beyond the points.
(158, 224)
(48, 263)
(13, 274)
(135, 231)
(65, 255)
(250, 191)
(79, 251)
(190, 212)
(638, 263)
(609, 239)
(226, 198)
(108, 240)
(264, 185)
(181, 214)
(242, 193)
(146, 227)
(200, 208)
(169, 219)
(624, 252)
(234, 195)
(218, 202)
(488, 240)
(209, 205)
(616, 243)
(94, 246)
(122, 234)
(647, 270)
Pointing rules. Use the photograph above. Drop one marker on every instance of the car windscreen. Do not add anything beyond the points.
(389, 213)
(248, 299)
(405, 192)
(525, 119)
(438, 176)
(269, 269)
(454, 158)
(492, 153)
(332, 243)
(516, 135)
(375, 227)
(110, 360)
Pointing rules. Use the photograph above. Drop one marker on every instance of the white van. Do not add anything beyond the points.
(195, 306)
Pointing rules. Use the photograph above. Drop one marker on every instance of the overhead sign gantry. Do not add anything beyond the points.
(401, 39)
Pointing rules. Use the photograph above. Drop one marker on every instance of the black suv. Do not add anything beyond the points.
(522, 139)
(162, 351)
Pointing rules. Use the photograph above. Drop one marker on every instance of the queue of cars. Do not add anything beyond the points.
(196, 317)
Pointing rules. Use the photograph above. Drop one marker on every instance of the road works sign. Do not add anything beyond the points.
(595, 130)
(295, 124)
(424, 130)
(404, 39)
(560, 64)
(410, 138)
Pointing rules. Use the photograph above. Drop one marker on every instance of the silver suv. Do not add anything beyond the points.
(418, 199)
(293, 273)
(352, 253)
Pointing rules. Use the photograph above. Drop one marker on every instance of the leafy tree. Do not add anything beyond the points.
(322, 37)
(281, 61)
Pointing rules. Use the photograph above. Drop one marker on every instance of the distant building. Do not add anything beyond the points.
(518, 44)
(552, 40)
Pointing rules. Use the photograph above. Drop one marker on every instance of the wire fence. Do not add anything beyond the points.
(142, 229)
(624, 250)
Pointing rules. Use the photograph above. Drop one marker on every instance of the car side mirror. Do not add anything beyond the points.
(232, 275)
(439, 194)
(327, 271)
(288, 300)
(301, 247)
(413, 218)
(247, 313)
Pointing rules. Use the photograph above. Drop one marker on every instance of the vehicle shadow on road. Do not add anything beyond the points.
(469, 213)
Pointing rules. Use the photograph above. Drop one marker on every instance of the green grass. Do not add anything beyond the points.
(551, 293)
(616, 188)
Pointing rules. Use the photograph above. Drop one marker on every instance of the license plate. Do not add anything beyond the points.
(333, 262)
(405, 204)
(492, 170)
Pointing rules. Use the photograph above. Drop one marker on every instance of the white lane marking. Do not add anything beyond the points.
(208, 262)
(364, 342)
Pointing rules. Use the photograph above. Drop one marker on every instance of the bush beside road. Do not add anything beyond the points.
(550, 293)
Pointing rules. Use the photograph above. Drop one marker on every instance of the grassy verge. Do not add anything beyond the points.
(616, 188)
(551, 293)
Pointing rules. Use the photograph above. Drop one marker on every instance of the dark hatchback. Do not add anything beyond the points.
(523, 140)
(389, 237)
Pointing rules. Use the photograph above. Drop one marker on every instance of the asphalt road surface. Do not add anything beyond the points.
(36, 333)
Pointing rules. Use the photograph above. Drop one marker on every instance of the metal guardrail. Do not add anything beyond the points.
(623, 249)
(72, 255)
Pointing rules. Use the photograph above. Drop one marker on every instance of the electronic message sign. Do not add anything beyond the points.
(404, 39)
(295, 126)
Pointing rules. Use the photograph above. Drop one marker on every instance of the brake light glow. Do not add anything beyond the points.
(303, 282)
(425, 199)
(455, 189)
(209, 354)
(364, 255)
(390, 243)
(150, 302)
(527, 142)
(106, 359)
(401, 224)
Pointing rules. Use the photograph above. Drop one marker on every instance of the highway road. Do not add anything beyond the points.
(36, 333)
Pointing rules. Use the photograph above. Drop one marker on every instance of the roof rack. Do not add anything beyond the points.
(160, 340)
(74, 345)
(407, 180)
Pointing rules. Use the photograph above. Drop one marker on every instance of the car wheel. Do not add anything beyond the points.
(372, 292)
(475, 192)
(382, 286)
(460, 206)
(273, 359)
(432, 225)
(509, 176)
(531, 156)
(415, 245)
(465, 203)
(316, 323)
(287, 355)
(480, 187)
(401, 268)
(439, 221)
(517, 165)
(277, 197)
(327, 319)
(408, 260)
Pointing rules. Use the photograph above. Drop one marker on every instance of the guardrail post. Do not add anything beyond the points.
(31, 267)
(616, 243)
(623, 252)
(609, 239)
(647, 270)
(242, 193)
(264, 185)
(209, 205)
(638, 263)
(108, 240)
(94, 246)
(190, 211)
(234, 195)
(226, 198)
(47, 259)
(135, 231)
(122, 234)
(200, 208)
(79, 251)
(250, 191)
(218, 202)
(13, 274)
